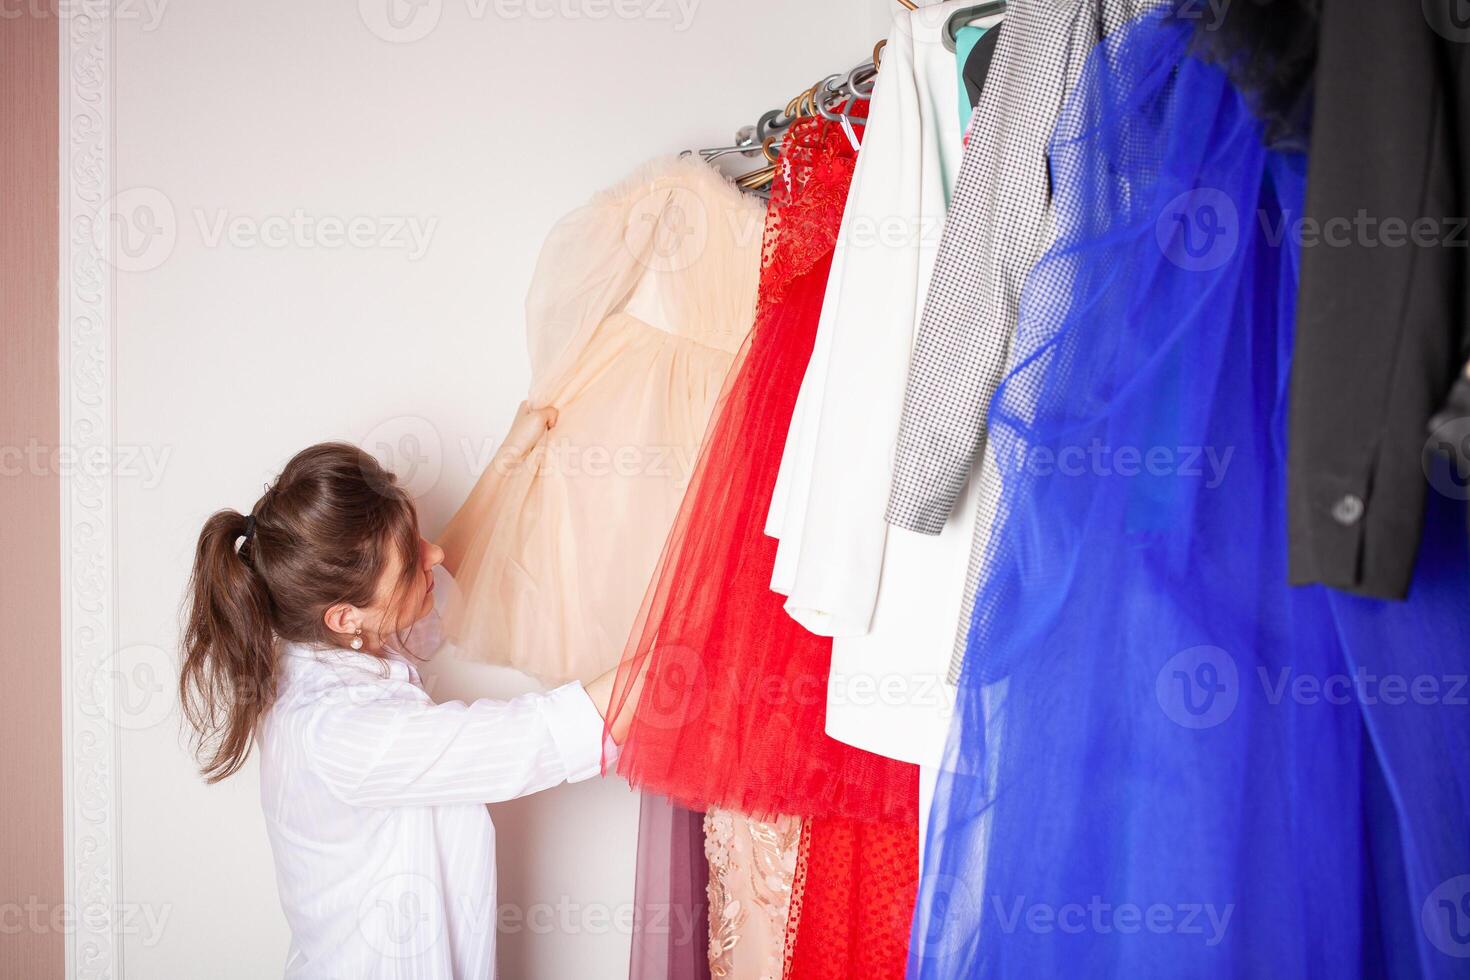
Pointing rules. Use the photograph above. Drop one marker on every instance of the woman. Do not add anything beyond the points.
(300, 614)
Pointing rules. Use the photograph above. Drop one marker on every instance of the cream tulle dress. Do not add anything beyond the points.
(639, 303)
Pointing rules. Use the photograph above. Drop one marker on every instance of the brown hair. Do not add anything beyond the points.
(323, 534)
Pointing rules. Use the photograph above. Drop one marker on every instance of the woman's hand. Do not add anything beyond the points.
(601, 689)
(526, 430)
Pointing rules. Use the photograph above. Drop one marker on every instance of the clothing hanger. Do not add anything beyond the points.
(758, 181)
(832, 92)
(745, 144)
(821, 98)
(967, 15)
(861, 79)
(858, 83)
(772, 121)
(836, 90)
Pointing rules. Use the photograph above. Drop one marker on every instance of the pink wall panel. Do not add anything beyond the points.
(31, 913)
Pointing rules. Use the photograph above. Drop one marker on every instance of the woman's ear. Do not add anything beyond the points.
(343, 618)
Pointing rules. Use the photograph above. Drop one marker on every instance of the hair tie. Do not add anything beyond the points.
(249, 527)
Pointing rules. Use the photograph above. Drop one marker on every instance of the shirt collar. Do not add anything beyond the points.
(308, 657)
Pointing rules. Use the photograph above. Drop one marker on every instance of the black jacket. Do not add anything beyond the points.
(1381, 316)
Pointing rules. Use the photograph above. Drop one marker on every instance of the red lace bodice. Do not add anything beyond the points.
(808, 196)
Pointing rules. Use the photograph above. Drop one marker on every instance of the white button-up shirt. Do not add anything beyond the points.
(375, 796)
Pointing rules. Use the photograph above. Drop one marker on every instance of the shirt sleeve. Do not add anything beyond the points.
(999, 225)
(991, 236)
(395, 749)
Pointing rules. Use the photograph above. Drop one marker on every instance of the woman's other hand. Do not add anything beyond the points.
(529, 425)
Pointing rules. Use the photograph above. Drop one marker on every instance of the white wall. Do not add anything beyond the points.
(233, 354)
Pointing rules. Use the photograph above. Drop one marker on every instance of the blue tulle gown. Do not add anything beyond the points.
(1166, 761)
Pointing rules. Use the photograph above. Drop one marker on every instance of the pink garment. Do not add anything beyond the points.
(751, 866)
(639, 303)
(670, 896)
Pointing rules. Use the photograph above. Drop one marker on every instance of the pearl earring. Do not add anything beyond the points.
(357, 638)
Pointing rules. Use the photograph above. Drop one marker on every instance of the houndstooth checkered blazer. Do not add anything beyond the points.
(996, 230)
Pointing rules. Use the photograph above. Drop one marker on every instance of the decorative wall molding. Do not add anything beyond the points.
(88, 553)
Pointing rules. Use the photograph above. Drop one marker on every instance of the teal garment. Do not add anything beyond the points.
(965, 39)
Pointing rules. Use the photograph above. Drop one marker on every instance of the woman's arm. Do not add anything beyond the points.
(599, 689)
(397, 748)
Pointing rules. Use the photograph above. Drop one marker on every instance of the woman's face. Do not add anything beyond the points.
(399, 604)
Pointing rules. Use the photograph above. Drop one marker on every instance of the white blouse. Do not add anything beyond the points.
(374, 798)
(889, 597)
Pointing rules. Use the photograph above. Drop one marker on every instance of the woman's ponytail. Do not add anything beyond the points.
(229, 645)
(322, 535)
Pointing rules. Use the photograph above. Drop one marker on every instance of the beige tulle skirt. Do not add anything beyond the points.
(552, 559)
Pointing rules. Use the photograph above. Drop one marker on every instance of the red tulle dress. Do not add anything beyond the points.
(728, 694)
